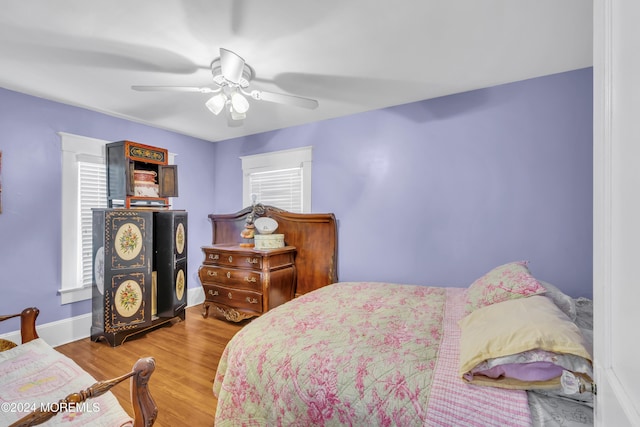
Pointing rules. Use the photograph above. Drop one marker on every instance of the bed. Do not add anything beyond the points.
(508, 350)
(39, 385)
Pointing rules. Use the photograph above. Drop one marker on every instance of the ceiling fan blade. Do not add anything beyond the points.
(174, 89)
(232, 65)
(91, 51)
(281, 98)
(238, 8)
(344, 88)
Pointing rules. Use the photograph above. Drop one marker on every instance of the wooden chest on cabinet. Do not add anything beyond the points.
(139, 175)
(243, 282)
(139, 280)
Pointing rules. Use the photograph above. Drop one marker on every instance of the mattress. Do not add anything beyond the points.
(359, 353)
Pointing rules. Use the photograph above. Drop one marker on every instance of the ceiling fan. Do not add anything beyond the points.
(232, 76)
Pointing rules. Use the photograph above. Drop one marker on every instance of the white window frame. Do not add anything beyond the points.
(285, 159)
(74, 148)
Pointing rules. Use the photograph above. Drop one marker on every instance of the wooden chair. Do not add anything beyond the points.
(27, 327)
(144, 408)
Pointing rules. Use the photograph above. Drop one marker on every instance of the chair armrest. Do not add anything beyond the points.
(144, 408)
(28, 318)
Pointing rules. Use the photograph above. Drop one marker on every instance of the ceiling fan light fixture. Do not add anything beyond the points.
(216, 103)
(232, 77)
(239, 103)
(235, 115)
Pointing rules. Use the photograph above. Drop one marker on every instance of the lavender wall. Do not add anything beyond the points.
(30, 238)
(439, 192)
(435, 192)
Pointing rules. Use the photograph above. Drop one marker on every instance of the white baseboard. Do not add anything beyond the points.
(195, 296)
(79, 327)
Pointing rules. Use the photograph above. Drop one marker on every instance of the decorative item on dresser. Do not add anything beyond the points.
(309, 260)
(140, 266)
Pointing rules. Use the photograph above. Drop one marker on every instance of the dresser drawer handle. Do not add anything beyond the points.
(250, 279)
(252, 260)
(229, 295)
(212, 273)
(230, 258)
(213, 293)
(252, 300)
(214, 256)
(228, 275)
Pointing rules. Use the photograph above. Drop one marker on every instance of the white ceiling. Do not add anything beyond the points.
(350, 55)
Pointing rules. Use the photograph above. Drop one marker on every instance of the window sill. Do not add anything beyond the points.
(68, 296)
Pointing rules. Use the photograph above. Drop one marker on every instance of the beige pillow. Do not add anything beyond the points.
(515, 326)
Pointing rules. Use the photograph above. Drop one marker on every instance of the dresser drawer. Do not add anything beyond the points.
(221, 257)
(247, 279)
(237, 298)
(243, 282)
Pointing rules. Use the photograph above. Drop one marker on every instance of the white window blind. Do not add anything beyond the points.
(279, 178)
(92, 179)
(80, 157)
(279, 188)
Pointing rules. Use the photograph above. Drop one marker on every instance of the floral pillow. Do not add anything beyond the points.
(507, 282)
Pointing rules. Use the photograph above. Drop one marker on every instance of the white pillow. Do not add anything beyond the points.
(562, 300)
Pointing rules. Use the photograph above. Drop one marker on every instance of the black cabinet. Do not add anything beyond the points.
(170, 262)
(139, 278)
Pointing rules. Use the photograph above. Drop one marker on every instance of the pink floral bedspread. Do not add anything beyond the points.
(359, 354)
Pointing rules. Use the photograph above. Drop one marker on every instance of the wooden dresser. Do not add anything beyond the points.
(243, 282)
(307, 262)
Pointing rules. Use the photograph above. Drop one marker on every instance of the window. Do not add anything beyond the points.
(84, 186)
(280, 178)
(92, 179)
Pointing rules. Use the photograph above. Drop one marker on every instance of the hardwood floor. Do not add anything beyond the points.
(186, 355)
